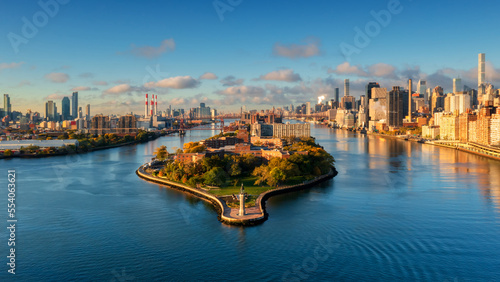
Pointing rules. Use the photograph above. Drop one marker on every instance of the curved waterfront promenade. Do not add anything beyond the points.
(254, 215)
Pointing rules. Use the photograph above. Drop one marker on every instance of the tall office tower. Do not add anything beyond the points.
(422, 87)
(481, 69)
(146, 107)
(337, 95)
(308, 108)
(368, 89)
(410, 92)
(88, 112)
(438, 90)
(7, 107)
(66, 108)
(74, 105)
(363, 102)
(428, 96)
(348, 102)
(457, 85)
(346, 87)
(80, 112)
(50, 111)
(395, 107)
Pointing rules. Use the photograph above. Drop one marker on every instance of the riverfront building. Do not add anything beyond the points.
(288, 129)
(100, 124)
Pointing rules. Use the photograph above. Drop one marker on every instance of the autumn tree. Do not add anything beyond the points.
(161, 153)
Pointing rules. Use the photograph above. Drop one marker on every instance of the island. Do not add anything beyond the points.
(238, 173)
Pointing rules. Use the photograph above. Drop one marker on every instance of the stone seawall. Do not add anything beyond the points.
(228, 215)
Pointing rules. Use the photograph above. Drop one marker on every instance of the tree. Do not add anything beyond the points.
(7, 153)
(215, 177)
(161, 153)
(277, 177)
(263, 173)
(235, 169)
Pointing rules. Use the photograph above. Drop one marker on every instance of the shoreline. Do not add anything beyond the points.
(254, 215)
(38, 156)
(434, 143)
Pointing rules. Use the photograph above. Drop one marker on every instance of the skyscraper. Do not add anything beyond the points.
(395, 107)
(88, 112)
(74, 105)
(346, 87)
(457, 85)
(50, 111)
(65, 111)
(481, 69)
(369, 87)
(410, 92)
(308, 108)
(422, 87)
(337, 95)
(7, 107)
(428, 96)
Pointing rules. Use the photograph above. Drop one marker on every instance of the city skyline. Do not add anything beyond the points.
(268, 67)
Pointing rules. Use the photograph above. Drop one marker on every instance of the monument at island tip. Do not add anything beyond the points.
(242, 200)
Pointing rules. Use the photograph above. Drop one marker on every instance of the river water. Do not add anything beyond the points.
(396, 211)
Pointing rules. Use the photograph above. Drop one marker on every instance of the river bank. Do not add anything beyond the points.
(470, 148)
(253, 215)
(56, 154)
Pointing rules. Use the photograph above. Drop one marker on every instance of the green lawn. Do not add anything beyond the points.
(250, 187)
(248, 183)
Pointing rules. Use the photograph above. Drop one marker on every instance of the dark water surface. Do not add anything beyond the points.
(396, 211)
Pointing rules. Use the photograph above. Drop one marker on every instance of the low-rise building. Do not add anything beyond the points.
(189, 157)
(220, 142)
(268, 142)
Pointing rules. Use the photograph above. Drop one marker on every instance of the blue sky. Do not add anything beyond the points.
(277, 52)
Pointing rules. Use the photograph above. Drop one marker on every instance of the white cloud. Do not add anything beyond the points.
(376, 70)
(12, 65)
(81, 88)
(55, 96)
(208, 75)
(118, 89)
(282, 75)
(243, 90)
(347, 69)
(231, 81)
(178, 82)
(177, 101)
(308, 49)
(57, 77)
(149, 52)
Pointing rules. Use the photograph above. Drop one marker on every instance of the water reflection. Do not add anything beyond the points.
(407, 166)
